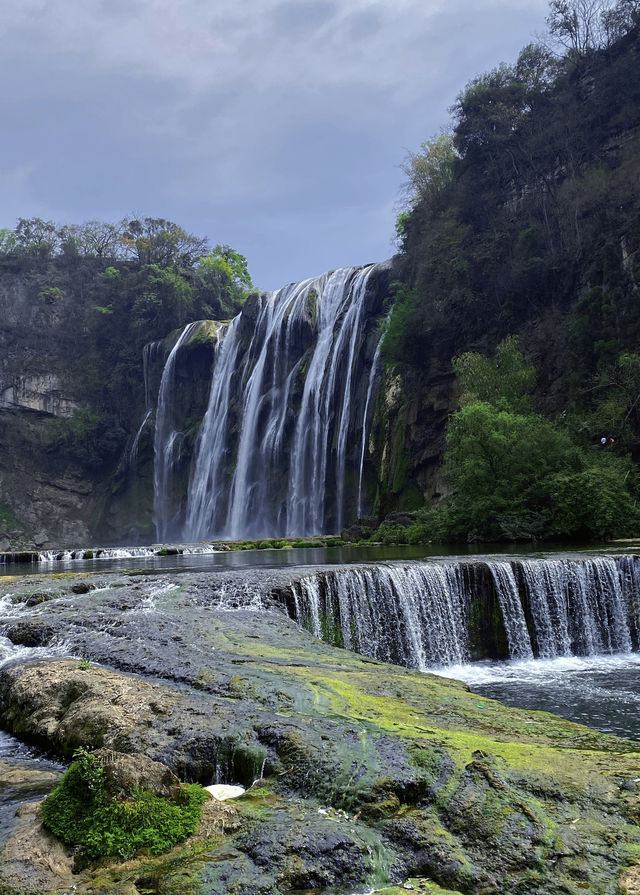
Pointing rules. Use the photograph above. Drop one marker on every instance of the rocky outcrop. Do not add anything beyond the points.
(365, 771)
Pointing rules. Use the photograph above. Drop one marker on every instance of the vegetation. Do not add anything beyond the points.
(516, 475)
(82, 812)
(524, 219)
(121, 286)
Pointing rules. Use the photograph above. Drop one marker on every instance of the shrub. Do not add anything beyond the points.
(81, 812)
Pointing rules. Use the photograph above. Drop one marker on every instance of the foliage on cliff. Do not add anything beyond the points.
(525, 219)
(516, 474)
(532, 201)
(121, 286)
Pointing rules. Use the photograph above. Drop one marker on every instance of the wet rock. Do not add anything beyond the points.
(82, 587)
(60, 705)
(29, 633)
(124, 772)
(314, 854)
(25, 777)
(406, 766)
(34, 861)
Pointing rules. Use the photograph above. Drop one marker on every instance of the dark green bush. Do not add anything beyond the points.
(81, 812)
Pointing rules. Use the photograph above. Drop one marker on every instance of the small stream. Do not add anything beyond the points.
(25, 776)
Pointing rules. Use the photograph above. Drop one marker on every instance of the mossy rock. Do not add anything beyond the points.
(117, 806)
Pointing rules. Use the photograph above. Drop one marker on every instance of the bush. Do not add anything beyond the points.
(81, 812)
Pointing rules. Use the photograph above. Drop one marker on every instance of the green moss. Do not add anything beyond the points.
(205, 331)
(7, 519)
(82, 813)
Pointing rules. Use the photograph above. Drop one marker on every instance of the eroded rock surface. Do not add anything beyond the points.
(367, 772)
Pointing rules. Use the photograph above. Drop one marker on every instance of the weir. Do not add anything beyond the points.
(281, 450)
(445, 612)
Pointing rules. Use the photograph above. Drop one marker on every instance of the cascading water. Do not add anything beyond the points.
(515, 624)
(286, 411)
(166, 442)
(373, 381)
(428, 614)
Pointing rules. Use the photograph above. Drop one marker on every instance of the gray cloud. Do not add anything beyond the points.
(277, 127)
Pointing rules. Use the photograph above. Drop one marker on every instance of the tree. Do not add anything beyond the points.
(37, 237)
(619, 20)
(100, 239)
(581, 26)
(516, 474)
(506, 379)
(430, 170)
(224, 276)
(8, 242)
(158, 241)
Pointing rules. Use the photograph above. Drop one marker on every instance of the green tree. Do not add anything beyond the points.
(515, 474)
(159, 241)
(224, 279)
(505, 379)
(430, 170)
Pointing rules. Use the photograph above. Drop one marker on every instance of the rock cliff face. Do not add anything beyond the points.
(73, 473)
(67, 471)
(41, 497)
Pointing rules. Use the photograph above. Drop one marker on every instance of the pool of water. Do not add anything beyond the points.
(224, 560)
(599, 691)
(298, 556)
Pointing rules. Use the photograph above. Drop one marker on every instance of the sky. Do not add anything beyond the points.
(278, 127)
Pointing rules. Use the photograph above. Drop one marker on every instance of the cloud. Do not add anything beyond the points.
(235, 119)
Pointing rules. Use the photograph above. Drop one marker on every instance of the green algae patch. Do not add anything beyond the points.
(418, 886)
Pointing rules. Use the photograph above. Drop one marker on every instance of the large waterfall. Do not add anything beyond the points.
(448, 612)
(281, 448)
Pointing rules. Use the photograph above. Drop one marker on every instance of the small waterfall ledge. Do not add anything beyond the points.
(446, 612)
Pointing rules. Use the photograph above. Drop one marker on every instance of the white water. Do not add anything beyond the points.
(166, 442)
(434, 614)
(599, 691)
(366, 421)
(512, 611)
(207, 482)
(104, 553)
(133, 452)
(286, 414)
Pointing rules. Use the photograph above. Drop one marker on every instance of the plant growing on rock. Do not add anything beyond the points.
(111, 814)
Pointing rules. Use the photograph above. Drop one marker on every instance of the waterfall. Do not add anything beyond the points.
(133, 451)
(512, 612)
(286, 413)
(435, 613)
(207, 481)
(365, 422)
(409, 615)
(166, 442)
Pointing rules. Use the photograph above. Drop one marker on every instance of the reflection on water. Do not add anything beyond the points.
(224, 560)
(600, 691)
(142, 559)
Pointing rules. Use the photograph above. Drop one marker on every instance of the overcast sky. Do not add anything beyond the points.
(276, 126)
